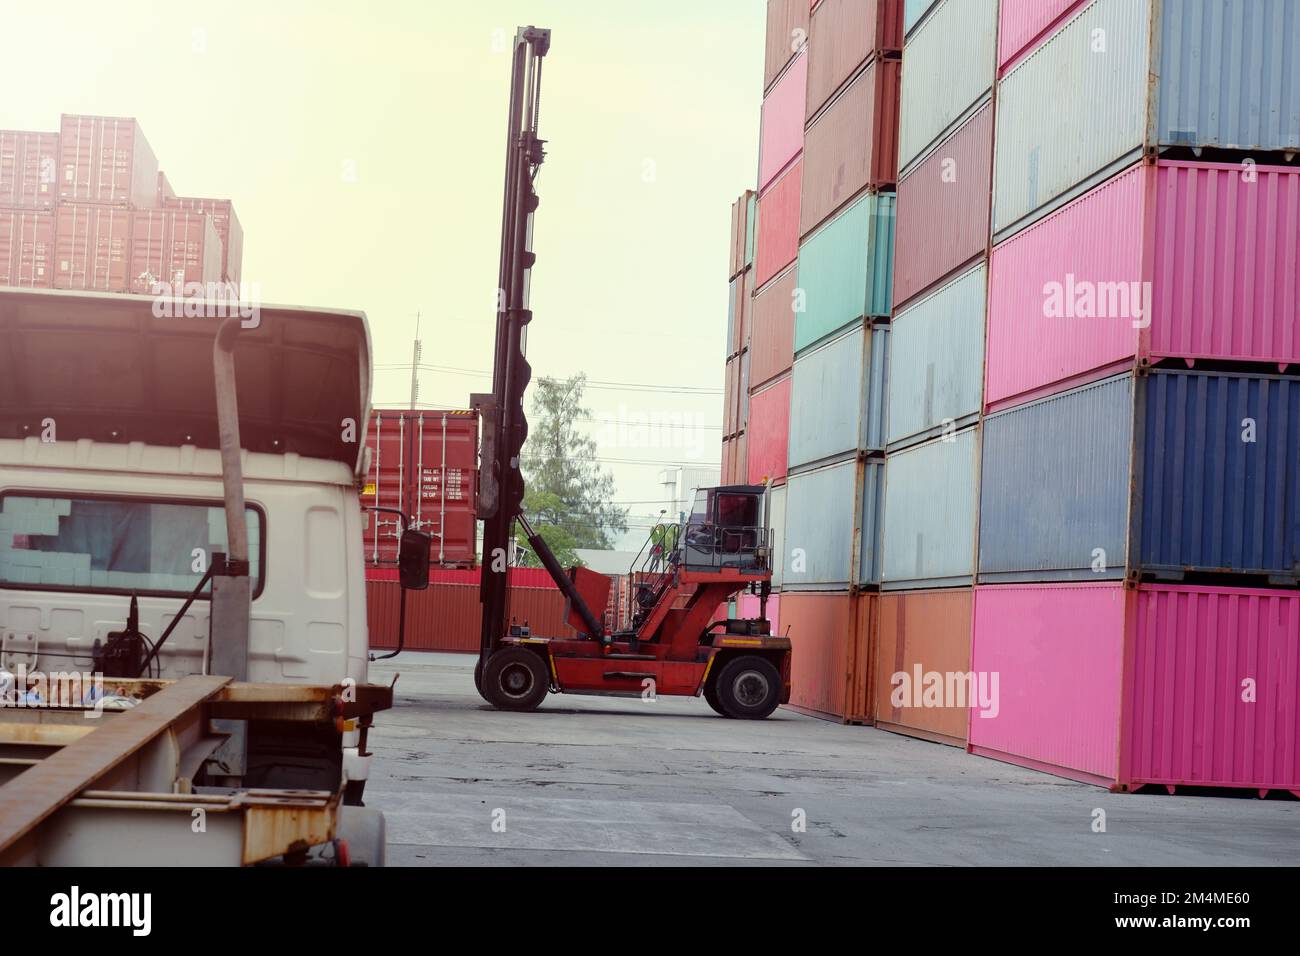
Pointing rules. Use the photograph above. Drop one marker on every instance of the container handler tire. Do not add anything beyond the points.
(478, 674)
(711, 695)
(749, 687)
(515, 679)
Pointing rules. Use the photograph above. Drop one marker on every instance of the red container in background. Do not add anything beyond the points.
(106, 159)
(29, 169)
(769, 432)
(843, 35)
(92, 247)
(781, 131)
(26, 248)
(740, 327)
(173, 247)
(853, 145)
(424, 463)
(231, 232)
(787, 33)
(833, 644)
(166, 193)
(942, 217)
(771, 338)
(740, 459)
(778, 226)
(447, 615)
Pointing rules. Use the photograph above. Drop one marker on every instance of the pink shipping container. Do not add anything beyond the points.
(747, 607)
(1165, 685)
(771, 339)
(1206, 259)
(778, 226)
(1024, 24)
(26, 248)
(231, 232)
(92, 248)
(29, 169)
(173, 247)
(781, 132)
(769, 432)
(787, 33)
(106, 159)
(942, 217)
(853, 145)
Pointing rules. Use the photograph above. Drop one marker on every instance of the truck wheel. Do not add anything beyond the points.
(478, 675)
(515, 679)
(711, 695)
(749, 687)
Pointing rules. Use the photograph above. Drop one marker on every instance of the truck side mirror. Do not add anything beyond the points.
(413, 560)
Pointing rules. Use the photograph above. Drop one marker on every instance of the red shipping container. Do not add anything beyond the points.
(29, 169)
(787, 34)
(769, 432)
(447, 616)
(743, 290)
(106, 159)
(231, 232)
(92, 248)
(780, 136)
(832, 658)
(853, 145)
(942, 215)
(778, 226)
(26, 248)
(771, 339)
(173, 247)
(166, 193)
(424, 463)
(843, 35)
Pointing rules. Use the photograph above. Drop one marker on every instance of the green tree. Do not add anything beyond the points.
(568, 494)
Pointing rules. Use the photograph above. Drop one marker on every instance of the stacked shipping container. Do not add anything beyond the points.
(87, 208)
(1138, 552)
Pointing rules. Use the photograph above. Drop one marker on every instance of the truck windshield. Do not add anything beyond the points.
(115, 544)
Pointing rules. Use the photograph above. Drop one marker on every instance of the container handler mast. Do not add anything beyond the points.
(674, 647)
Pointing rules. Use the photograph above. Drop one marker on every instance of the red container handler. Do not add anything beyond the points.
(424, 463)
(27, 248)
(231, 232)
(29, 169)
(106, 159)
(173, 247)
(92, 247)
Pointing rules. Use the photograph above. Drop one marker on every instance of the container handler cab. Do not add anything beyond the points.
(674, 647)
(179, 517)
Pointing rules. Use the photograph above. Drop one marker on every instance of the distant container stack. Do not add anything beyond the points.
(1138, 588)
(87, 208)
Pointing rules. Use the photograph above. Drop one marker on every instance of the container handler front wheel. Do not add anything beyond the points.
(747, 687)
(515, 678)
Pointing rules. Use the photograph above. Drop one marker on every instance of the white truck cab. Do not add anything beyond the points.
(113, 489)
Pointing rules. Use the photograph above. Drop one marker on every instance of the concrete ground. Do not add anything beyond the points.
(614, 782)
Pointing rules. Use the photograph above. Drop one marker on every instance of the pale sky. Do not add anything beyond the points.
(651, 110)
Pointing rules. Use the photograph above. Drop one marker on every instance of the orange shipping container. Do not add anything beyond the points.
(833, 638)
(921, 634)
(771, 338)
(27, 248)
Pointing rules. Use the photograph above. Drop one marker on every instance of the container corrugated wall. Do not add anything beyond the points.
(1054, 486)
(787, 32)
(777, 243)
(1221, 482)
(769, 432)
(777, 497)
(943, 209)
(1229, 76)
(843, 35)
(837, 397)
(1024, 23)
(950, 60)
(913, 11)
(930, 511)
(781, 136)
(852, 145)
(923, 633)
(934, 360)
(820, 538)
(846, 270)
(29, 164)
(447, 617)
(1068, 115)
(771, 343)
(869, 522)
(27, 248)
(1057, 651)
(832, 658)
(1188, 720)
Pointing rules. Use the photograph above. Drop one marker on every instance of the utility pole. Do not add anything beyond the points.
(415, 366)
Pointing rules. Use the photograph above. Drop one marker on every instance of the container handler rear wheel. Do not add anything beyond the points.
(515, 678)
(749, 687)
